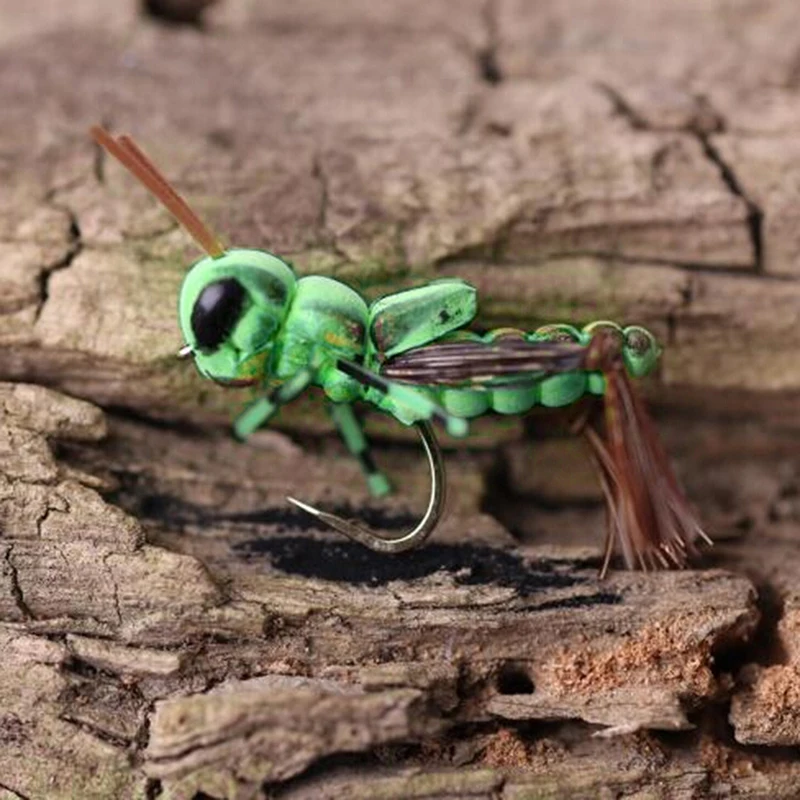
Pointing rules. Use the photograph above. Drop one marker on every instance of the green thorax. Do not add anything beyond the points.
(326, 320)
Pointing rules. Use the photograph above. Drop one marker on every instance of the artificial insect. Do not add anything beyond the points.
(248, 319)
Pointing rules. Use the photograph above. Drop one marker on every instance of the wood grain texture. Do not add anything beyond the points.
(241, 647)
(169, 627)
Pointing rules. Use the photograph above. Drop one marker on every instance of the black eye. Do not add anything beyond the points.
(216, 311)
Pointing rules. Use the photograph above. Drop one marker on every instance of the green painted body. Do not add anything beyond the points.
(289, 327)
(248, 319)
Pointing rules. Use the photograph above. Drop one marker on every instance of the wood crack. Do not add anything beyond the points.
(15, 792)
(114, 588)
(487, 57)
(16, 589)
(701, 127)
(755, 214)
(74, 248)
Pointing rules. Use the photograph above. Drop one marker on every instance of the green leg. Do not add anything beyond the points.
(260, 411)
(351, 432)
(406, 396)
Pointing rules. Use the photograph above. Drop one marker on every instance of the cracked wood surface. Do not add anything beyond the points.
(169, 627)
(208, 639)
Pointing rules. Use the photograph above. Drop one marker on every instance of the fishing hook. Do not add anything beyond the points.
(407, 541)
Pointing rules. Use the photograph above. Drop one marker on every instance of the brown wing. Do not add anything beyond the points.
(505, 362)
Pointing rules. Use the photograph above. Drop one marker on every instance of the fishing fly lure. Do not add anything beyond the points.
(248, 319)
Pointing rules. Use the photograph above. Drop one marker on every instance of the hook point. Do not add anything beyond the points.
(304, 506)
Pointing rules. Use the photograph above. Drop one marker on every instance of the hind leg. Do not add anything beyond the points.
(353, 436)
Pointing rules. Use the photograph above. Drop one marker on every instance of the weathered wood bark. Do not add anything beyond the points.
(169, 627)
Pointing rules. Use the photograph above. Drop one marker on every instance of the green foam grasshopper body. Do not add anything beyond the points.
(248, 319)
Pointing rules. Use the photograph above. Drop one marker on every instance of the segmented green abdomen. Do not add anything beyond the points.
(514, 394)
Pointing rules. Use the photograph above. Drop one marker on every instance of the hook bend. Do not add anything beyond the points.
(413, 538)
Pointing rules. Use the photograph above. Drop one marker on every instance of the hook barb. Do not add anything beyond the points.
(413, 538)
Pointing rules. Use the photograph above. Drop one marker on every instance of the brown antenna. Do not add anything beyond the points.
(140, 166)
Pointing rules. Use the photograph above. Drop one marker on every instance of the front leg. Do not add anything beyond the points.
(353, 436)
(261, 410)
